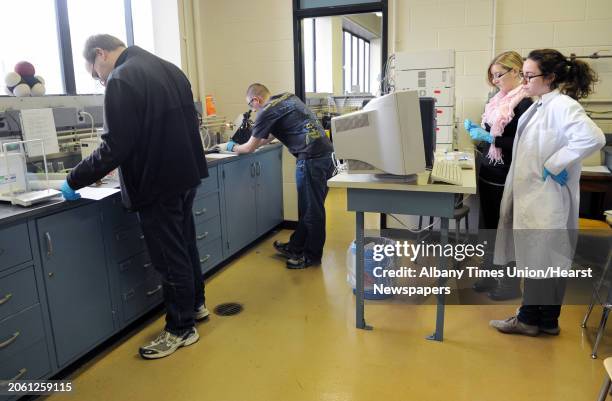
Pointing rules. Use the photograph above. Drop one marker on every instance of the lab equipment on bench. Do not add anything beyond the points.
(88, 145)
(244, 129)
(14, 185)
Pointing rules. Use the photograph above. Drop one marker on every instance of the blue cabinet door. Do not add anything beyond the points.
(76, 278)
(269, 191)
(240, 209)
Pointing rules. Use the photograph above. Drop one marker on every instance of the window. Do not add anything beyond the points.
(309, 55)
(142, 20)
(20, 19)
(52, 37)
(356, 58)
(109, 18)
(156, 28)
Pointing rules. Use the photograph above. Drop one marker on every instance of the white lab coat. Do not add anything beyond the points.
(538, 219)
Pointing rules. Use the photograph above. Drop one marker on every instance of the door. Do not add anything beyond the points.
(269, 190)
(239, 185)
(76, 278)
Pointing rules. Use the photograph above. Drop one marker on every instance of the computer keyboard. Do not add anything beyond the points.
(447, 171)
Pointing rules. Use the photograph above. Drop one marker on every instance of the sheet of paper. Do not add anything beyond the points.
(595, 169)
(220, 155)
(97, 193)
(39, 124)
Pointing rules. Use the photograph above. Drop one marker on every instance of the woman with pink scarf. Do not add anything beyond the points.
(496, 135)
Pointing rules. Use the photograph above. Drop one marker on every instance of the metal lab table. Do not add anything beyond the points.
(365, 193)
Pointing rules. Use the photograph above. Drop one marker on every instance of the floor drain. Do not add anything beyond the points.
(228, 309)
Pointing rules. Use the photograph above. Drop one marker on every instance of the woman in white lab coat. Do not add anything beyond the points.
(539, 209)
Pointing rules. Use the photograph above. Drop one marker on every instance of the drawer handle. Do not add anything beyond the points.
(204, 259)
(9, 341)
(258, 168)
(201, 237)
(155, 291)
(49, 244)
(142, 236)
(147, 265)
(200, 212)
(5, 299)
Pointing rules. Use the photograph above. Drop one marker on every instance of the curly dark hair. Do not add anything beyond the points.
(574, 78)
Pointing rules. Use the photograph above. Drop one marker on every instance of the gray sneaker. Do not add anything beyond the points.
(166, 343)
(201, 313)
(513, 326)
(554, 331)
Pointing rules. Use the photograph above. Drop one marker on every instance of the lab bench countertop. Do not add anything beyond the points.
(10, 213)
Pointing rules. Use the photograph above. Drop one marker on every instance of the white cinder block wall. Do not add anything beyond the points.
(571, 26)
(247, 41)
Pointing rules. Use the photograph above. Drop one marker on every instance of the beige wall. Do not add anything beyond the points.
(246, 42)
(578, 26)
(239, 49)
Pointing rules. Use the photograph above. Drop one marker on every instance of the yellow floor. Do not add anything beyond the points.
(296, 340)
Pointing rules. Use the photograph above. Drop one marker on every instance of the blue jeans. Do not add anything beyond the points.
(311, 177)
(169, 231)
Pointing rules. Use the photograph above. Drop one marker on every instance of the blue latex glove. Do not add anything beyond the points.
(230, 145)
(468, 125)
(68, 193)
(480, 134)
(560, 178)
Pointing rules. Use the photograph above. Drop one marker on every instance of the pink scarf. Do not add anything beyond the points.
(498, 113)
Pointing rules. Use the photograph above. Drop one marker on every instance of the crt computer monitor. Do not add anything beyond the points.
(385, 137)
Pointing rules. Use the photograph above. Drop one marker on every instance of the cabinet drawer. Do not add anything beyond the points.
(17, 292)
(20, 332)
(14, 246)
(118, 216)
(206, 207)
(209, 184)
(211, 254)
(128, 242)
(135, 270)
(141, 297)
(30, 364)
(208, 230)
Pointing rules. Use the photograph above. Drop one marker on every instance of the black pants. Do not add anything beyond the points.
(490, 201)
(542, 302)
(169, 232)
(311, 177)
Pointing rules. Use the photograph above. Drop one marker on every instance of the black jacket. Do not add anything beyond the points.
(151, 132)
(497, 173)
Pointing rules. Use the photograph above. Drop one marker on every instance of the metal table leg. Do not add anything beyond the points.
(359, 270)
(442, 262)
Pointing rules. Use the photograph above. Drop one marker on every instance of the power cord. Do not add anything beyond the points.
(84, 113)
(412, 230)
(339, 167)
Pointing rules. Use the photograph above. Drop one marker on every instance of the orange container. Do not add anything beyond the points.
(210, 106)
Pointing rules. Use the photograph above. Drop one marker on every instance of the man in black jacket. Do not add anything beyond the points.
(152, 135)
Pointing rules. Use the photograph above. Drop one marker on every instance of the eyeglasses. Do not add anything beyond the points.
(94, 74)
(498, 75)
(528, 78)
(250, 103)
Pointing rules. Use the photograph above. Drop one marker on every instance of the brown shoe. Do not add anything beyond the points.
(513, 326)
